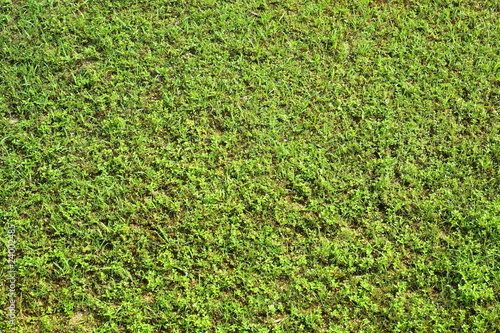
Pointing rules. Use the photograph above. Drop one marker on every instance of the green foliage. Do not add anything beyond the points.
(252, 166)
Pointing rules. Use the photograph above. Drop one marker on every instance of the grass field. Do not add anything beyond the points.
(251, 166)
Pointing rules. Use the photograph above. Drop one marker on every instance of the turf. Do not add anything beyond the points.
(251, 166)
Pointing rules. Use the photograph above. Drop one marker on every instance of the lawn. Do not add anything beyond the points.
(250, 166)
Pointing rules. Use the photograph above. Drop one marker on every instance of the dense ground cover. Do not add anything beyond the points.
(251, 165)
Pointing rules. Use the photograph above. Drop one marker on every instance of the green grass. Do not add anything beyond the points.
(251, 166)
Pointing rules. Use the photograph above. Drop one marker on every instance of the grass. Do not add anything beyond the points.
(251, 166)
